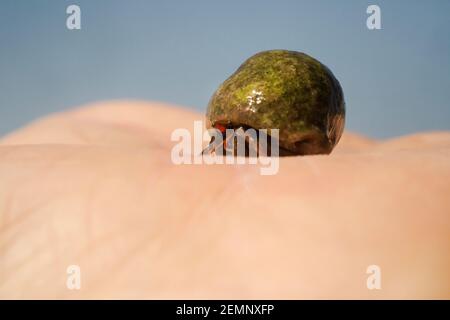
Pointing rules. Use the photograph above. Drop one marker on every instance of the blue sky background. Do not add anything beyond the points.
(396, 80)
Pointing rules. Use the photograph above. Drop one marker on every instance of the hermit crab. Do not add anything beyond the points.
(285, 90)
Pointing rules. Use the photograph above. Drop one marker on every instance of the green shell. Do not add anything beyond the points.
(285, 90)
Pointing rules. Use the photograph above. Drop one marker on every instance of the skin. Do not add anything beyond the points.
(95, 187)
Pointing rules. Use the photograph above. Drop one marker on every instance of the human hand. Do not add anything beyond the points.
(95, 187)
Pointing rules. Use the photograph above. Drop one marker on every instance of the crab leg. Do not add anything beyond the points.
(213, 145)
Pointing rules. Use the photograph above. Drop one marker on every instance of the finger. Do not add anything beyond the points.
(107, 123)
